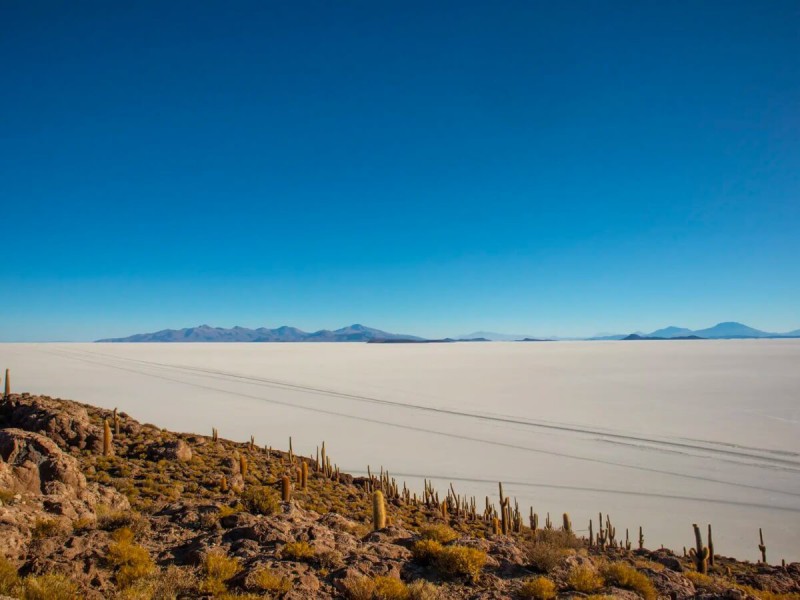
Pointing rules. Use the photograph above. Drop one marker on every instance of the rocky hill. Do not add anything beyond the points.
(94, 504)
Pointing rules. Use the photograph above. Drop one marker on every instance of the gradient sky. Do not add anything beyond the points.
(429, 168)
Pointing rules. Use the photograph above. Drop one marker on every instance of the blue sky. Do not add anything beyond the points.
(431, 168)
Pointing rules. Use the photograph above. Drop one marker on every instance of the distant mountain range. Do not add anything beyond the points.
(361, 333)
(726, 330)
(206, 333)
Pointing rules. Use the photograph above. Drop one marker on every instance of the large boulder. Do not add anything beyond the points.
(66, 423)
(30, 463)
(171, 450)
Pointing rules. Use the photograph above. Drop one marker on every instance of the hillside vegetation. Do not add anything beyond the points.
(94, 504)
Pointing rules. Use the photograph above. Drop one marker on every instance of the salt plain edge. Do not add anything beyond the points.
(658, 434)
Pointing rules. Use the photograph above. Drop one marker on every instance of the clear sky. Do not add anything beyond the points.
(424, 167)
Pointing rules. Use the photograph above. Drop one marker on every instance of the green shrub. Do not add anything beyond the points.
(540, 588)
(584, 579)
(625, 576)
(261, 500)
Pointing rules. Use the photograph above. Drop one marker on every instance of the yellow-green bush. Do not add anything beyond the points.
(358, 587)
(544, 557)
(625, 576)
(226, 511)
(169, 584)
(426, 551)
(266, 580)
(423, 590)
(218, 568)
(460, 561)
(584, 579)
(8, 577)
(48, 587)
(261, 500)
(132, 561)
(439, 533)
(389, 588)
(44, 528)
(298, 551)
(540, 588)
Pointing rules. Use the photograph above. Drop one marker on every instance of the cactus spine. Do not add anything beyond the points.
(378, 511)
(286, 489)
(700, 553)
(106, 438)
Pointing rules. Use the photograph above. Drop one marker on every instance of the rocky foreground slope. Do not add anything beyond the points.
(97, 505)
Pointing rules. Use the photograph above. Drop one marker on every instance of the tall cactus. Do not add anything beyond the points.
(378, 511)
(7, 391)
(567, 523)
(286, 489)
(304, 475)
(761, 546)
(106, 438)
(710, 547)
(700, 553)
(641, 538)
